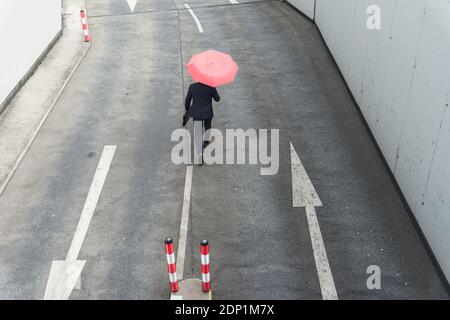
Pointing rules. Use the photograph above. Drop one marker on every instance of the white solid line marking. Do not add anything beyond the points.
(326, 280)
(233, 1)
(304, 195)
(182, 239)
(199, 26)
(91, 201)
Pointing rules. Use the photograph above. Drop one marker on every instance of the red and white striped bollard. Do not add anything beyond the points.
(87, 38)
(171, 265)
(206, 270)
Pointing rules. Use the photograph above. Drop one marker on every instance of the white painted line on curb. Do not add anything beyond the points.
(182, 239)
(304, 195)
(65, 274)
(199, 25)
(234, 2)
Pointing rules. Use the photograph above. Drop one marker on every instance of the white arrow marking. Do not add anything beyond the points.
(303, 192)
(62, 279)
(199, 25)
(326, 280)
(132, 4)
(65, 274)
(304, 195)
(182, 239)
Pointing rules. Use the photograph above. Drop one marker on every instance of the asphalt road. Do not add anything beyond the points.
(129, 92)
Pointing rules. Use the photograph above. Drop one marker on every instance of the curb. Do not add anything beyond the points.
(4, 105)
(85, 48)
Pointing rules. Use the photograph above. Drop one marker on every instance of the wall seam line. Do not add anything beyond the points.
(434, 151)
(409, 91)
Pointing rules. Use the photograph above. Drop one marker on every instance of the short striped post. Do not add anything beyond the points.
(87, 38)
(206, 279)
(171, 265)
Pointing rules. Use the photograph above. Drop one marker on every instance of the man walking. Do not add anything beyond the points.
(201, 96)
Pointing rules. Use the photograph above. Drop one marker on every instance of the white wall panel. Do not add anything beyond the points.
(435, 214)
(373, 85)
(305, 6)
(345, 25)
(399, 68)
(28, 28)
(400, 77)
(424, 159)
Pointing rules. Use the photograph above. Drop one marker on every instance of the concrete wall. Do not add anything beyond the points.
(400, 77)
(28, 26)
(305, 6)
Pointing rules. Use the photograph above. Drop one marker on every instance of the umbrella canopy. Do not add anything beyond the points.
(213, 68)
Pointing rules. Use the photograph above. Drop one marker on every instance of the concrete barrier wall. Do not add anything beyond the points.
(305, 6)
(400, 77)
(28, 26)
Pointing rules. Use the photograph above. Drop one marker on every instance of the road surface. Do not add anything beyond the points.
(129, 92)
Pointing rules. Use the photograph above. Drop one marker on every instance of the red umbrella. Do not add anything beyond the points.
(213, 68)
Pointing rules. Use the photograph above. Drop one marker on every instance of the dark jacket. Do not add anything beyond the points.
(202, 96)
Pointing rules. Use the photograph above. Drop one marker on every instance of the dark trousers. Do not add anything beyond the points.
(207, 124)
(199, 127)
